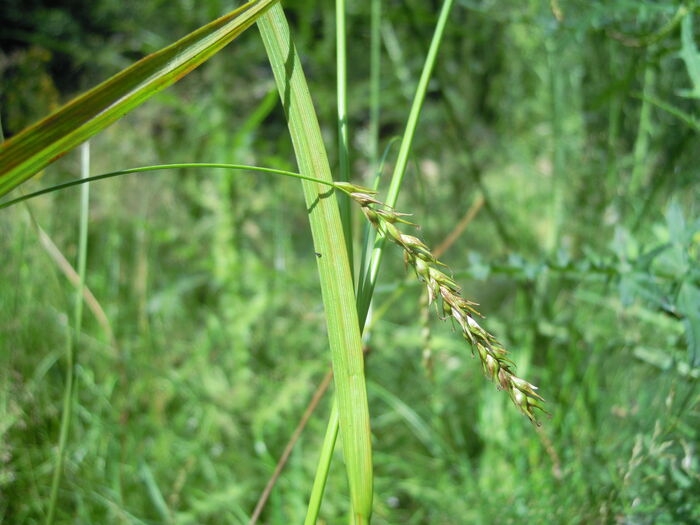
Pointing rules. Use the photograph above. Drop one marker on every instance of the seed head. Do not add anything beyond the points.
(444, 291)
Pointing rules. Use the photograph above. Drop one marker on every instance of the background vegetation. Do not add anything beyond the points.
(574, 122)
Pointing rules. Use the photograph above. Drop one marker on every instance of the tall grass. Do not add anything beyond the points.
(545, 112)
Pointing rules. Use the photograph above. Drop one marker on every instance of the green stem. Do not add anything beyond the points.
(70, 388)
(376, 167)
(157, 167)
(370, 233)
(324, 463)
(343, 148)
(375, 83)
(333, 265)
(365, 294)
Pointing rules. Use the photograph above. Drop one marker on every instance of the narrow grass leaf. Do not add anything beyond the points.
(370, 278)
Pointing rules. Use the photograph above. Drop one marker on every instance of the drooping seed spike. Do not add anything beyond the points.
(496, 364)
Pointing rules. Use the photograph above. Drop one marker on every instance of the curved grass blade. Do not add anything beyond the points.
(158, 167)
(37, 146)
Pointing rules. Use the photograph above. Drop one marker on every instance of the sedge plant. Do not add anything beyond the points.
(346, 310)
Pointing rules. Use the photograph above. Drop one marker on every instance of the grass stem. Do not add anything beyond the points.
(159, 167)
(343, 141)
(365, 294)
(324, 463)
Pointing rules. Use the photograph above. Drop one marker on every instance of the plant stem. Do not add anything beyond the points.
(343, 147)
(365, 294)
(375, 83)
(73, 341)
(157, 167)
(324, 463)
(334, 270)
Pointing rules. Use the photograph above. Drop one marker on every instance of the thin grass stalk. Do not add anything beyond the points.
(159, 167)
(333, 264)
(365, 294)
(324, 463)
(70, 387)
(71, 274)
(375, 82)
(376, 166)
(343, 147)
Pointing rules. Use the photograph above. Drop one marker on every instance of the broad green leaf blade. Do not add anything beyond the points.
(31, 150)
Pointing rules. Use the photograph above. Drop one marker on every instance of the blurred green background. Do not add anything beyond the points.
(577, 124)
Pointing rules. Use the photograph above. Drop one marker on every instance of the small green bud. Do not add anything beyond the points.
(394, 217)
(442, 278)
(446, 309)
(412, 242)
(394, 233)
(371, 215)
(525, 387)
(492, 367)
(422, 269)
(350, 188)
(365, 199)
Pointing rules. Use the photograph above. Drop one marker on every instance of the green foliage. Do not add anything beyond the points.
(579, 133)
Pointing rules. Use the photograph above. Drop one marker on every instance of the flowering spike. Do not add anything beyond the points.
(493, 357)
